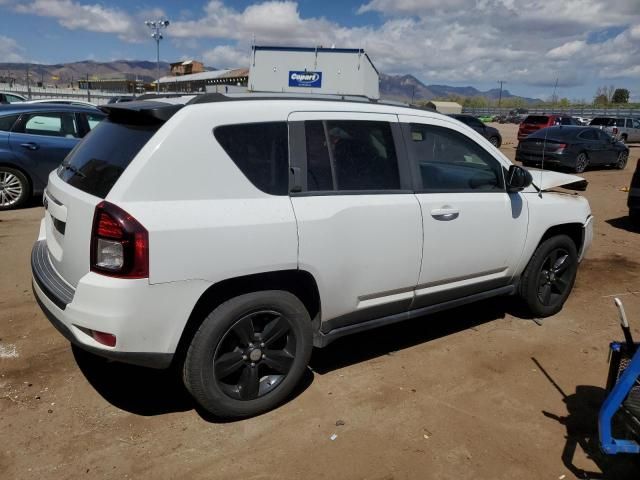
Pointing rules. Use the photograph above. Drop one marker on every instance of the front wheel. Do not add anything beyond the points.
(582, 162)
(549, 277)
(494, 141)
(14, 188)
(249, 354)
(622, 160)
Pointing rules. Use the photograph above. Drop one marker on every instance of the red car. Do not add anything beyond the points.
(533, 123)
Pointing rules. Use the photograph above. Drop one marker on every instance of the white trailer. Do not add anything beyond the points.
(335, 71)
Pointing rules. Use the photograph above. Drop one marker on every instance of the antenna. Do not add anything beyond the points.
(544, 143)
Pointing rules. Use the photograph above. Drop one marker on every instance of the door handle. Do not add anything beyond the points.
(30, 145)
(445, 213)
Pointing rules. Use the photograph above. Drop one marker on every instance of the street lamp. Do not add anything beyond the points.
(156, 26)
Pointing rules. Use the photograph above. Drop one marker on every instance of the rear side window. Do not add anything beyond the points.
(537, 120)
(603, 121)
(351, 155)
(260, 151)
(49, 124)
(629, 123)
(97, 162)
(7, 122)
(567, 121)
(590, 134)
(93, 120)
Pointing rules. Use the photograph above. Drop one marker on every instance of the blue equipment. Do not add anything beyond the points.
(621, 408)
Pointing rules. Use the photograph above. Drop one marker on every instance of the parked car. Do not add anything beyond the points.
(6, 98)
(625, 129)
(228, 236)
(533, 123)
(63, 101)
(34, 139)
(633, 199)
(121, 99)
(490, 133)
(572, 147)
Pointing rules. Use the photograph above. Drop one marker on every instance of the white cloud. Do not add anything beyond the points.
(226, 56)
(10, 51)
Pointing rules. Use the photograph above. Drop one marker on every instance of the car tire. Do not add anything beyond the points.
(249, 354)
(549, 277)
(14, 188)
(621, 163)
(582, 162)
(495, 141)
(634, 215)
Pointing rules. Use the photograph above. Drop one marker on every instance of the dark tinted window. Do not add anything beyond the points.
(629, 123)
(451, 162)
(358, 155)
(590, 134)
(7, 122)
(603, 121)
(97, 162)
(567, 121)
(536, 120)
(261, 152)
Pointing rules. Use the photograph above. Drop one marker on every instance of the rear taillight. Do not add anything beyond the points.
(119, 244)
(615, 130)
(560, 146)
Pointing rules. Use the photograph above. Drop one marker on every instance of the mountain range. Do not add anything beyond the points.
(393, 87)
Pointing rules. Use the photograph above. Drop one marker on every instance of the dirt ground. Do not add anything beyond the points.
(474, 393)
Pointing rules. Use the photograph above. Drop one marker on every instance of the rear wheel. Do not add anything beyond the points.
(14, 188)
(582, 162)
(549, 277)
(623, 157)
(249, 354)
(623, 138)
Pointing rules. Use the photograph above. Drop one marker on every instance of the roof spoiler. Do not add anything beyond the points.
(141, 111)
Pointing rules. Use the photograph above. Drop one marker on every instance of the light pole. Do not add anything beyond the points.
(500, 97)
(156, 26)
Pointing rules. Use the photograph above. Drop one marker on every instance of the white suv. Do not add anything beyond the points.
(231, 235)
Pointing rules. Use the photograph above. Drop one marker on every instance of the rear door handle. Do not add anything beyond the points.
(445, 213)
(30, 145)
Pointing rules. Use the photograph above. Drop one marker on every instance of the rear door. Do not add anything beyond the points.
(608, 154)
(591, 142)
(42, 140)
(359, 223)
(82, 181)
(474, 231)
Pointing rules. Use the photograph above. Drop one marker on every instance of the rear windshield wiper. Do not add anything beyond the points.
(68, 166)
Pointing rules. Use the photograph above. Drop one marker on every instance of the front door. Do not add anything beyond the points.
(474, 231)
(359, 223)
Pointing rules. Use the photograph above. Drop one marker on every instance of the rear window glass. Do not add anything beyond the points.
(537, 119)
(261, 152)
(97, 162)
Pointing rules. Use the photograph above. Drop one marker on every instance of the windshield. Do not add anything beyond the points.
(97, 162)
(537, 119)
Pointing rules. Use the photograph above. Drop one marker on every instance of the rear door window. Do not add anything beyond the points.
(51, 124)
(629, 123)
(260, 151)
(590, 134)
(348, 155)
(97, 162)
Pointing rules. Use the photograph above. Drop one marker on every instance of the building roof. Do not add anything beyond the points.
(194, 77)
(445, 104)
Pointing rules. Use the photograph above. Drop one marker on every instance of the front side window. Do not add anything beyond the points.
(7, 122)
(260, 151)
(449, 161)
(50, 124)
(629, 123)
(351, 155)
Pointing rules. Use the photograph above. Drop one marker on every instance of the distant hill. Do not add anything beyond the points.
(66, 72)
(395, 87)
(406, 87)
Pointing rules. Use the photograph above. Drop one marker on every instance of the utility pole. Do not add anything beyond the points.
(28, 82)
(500, 96)
(88, 91)
(156, 26)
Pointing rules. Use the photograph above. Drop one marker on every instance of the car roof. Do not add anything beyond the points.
(18, 108)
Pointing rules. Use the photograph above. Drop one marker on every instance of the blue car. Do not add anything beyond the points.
(34, 139)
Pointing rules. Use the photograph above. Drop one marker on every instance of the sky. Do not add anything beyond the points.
(526, 43)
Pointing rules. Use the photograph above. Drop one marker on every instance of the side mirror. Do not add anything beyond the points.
(518, 179)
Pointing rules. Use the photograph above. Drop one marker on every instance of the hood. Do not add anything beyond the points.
(548, 180)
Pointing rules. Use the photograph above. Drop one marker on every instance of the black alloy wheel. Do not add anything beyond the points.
(554, 277)
(623, 157)
(255, 355)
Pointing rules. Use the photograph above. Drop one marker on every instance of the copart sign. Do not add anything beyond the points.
(305, 79)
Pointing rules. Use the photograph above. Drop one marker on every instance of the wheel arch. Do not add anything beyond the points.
(575, 231)
(298, 282)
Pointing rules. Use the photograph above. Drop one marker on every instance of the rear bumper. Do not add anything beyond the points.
(147, 320)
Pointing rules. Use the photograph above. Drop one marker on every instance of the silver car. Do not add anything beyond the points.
(624, 129)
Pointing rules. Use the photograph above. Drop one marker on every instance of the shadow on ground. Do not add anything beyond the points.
(624, 223)
(581, 423)
(148, 392)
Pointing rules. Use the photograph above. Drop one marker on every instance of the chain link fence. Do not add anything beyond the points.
(580, 111)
